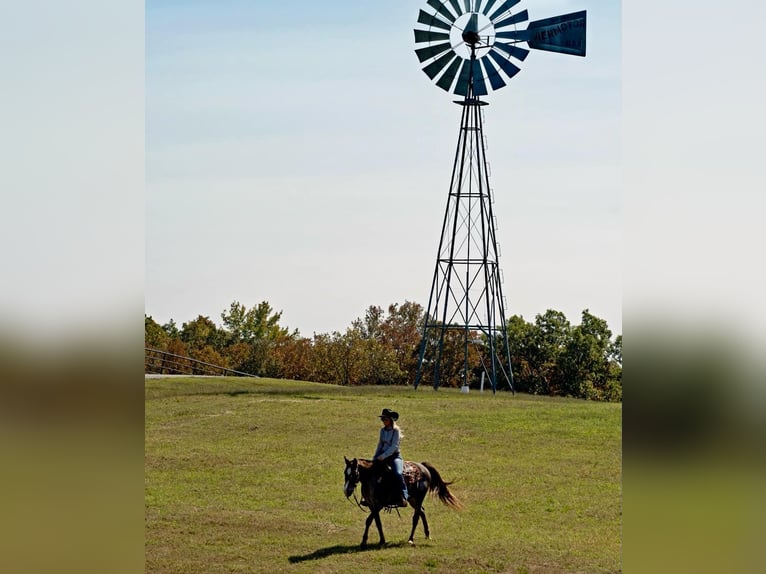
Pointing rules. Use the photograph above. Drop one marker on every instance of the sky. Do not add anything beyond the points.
(297, 154)
(143, 145)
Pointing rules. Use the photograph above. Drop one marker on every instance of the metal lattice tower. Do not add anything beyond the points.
(470, 44)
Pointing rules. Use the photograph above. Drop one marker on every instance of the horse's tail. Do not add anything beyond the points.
(439, 486)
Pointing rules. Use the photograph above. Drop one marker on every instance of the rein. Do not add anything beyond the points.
(357, 502)
(359, 505)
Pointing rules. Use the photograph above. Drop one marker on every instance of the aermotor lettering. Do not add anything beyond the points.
(548, 34)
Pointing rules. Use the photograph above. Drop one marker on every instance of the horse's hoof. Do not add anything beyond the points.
(411, 542)
(363, 546)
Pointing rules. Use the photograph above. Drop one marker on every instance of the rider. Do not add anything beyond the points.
(388, 448)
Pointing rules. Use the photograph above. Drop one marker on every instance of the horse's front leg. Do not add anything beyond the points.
(367, 528)
(380, 527)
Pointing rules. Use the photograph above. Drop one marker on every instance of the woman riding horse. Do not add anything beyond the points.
(388, 451)
(420, 478)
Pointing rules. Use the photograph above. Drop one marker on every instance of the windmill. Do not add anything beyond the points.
(468, 48)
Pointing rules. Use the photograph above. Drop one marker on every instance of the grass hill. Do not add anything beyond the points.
(246, 475)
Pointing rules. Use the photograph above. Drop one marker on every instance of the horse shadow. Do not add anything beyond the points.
(341, 549)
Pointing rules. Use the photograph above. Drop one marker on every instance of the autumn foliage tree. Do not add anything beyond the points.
(549, 356)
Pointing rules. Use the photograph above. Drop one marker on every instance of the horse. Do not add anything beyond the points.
(380, 490)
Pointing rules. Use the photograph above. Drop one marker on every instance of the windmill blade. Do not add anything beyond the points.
(507, 66)
(432, 21)
(511, 50)
(428, 36)
(494, 77)
(522, 16)
(564, 34)
(445, 82)
(489, 5)
(433, 69)
(518, 35)
(503, 8)
(442, 9)
(431, 51)
(479, 85)
(461, 87)
(456, 6)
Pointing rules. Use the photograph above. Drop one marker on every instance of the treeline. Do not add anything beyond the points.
(549, 356)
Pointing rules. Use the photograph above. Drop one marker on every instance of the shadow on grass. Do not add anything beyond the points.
(341, 549)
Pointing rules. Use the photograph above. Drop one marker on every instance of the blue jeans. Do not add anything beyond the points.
(398, 465)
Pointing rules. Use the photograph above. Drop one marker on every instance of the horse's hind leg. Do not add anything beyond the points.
(419, 513)
(425, 524)
(415, 518)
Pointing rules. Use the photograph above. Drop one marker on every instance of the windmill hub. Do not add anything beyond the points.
(470, 30)
(471, 37)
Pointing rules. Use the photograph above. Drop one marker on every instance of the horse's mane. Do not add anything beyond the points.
(367, 467)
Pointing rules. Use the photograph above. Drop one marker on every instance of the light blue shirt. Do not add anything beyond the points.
(388, 443)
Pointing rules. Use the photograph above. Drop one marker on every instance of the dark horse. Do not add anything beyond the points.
(380, 490)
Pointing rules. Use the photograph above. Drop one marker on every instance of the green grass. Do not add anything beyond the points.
(247, 476)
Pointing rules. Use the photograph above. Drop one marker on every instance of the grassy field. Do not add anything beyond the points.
(246, 475)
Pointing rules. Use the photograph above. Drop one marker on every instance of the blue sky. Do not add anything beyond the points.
(297, 154)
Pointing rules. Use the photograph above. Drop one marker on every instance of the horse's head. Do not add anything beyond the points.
(351, 476)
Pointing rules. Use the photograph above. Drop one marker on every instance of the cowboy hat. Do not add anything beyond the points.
(387, 414)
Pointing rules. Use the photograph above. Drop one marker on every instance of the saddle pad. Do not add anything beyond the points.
(410, 472)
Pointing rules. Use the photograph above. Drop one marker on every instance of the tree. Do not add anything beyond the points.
(550, 336)
(370, 326)
(239, 356)
(585, 361)
(249, 325)
(202, 332)
(615, 350)
(401, 331)
(252, 337)
(536, 350)
(295, 357)
(176, 364)
(171, 329)
(208, 354)
(332, 359)
(154, 336)
(520, 336)
(550, 357)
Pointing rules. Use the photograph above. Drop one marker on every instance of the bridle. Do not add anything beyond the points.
(352, 479)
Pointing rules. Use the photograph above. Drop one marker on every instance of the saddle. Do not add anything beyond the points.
(384, 476)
